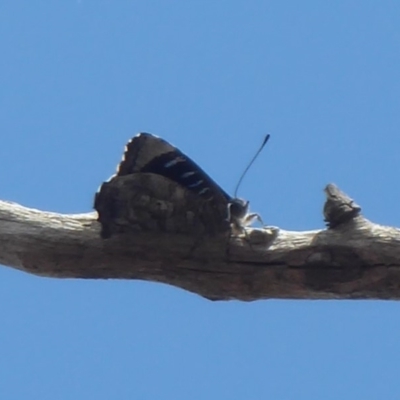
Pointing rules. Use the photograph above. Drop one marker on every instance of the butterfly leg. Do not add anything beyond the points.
(250, 218)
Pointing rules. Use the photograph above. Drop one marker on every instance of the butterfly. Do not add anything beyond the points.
(147, 153)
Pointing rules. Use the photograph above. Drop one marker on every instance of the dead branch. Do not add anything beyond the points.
(352, 259)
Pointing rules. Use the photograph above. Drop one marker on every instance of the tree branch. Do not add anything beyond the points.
(352, 259)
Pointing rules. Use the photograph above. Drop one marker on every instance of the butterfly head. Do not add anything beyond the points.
(238, 209)
(239, 215)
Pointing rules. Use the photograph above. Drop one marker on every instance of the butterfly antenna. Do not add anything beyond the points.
(250, 163)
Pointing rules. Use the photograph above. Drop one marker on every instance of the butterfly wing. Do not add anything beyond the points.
(149, 153)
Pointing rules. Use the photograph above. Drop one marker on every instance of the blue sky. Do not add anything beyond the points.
(79, 78)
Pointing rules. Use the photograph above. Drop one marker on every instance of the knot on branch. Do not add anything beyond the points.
(339, 208)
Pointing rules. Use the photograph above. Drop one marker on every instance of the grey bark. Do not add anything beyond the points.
(351, 259)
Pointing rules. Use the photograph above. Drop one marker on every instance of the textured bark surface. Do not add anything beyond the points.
(352, 259)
